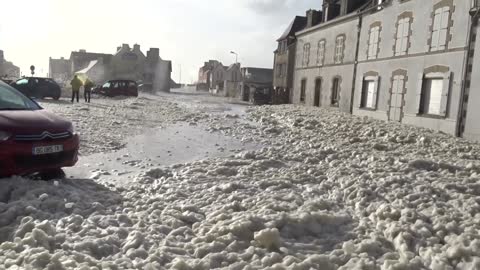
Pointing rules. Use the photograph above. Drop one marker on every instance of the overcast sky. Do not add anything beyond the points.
(188, 32)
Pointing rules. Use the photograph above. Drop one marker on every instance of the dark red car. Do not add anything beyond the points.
(32, 139)
(118, 88)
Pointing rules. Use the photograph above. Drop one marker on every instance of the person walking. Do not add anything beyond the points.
(88, 85)
(76, 83)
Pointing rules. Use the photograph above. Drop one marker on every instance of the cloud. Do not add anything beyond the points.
(267, 6)
(283, 7)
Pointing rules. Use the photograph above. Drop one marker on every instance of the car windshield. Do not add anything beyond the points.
(11, 99)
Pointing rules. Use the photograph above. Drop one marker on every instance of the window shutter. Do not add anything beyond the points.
(445, 94)
(360, 97)
(375, 91)
(418, 98)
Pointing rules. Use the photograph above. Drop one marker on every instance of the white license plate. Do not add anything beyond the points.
(50, 149)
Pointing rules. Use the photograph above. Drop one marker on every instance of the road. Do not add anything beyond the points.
(172, 143)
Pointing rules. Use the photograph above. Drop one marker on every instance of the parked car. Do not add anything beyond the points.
(32, 139)
(117, 88)
(261, 96)
(38, 87)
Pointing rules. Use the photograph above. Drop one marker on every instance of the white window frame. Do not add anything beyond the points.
(440, 27)
(444, 95)
(321, 52)
(370, 100)
(339, 49)
(373, 42)
(403, 36)
(397, 98)
(306, 55)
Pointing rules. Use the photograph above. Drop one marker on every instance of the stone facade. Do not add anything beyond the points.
(412, 67)
(60, 70)
(205, 74)
(325, 60)
(7, 69)
(127, 63)
(406, 61)
(284, 60)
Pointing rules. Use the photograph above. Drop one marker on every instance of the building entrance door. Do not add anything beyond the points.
(318, 89)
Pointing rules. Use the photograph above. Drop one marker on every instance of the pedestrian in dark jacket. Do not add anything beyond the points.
(88, 90)
(76, 83)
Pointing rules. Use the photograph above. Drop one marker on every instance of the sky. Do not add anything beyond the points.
(187, 32)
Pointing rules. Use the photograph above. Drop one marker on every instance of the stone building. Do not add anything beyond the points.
(59, 70)
(255, 79)
(205, 74)
(127, 63)
(326, 55)
(284, 60)
(217, 78)
(7, 69)
(408, 61)
(233, 77)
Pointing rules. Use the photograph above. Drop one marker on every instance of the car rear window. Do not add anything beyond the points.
(22, 81)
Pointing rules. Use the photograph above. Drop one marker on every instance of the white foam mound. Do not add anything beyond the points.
(328, 191)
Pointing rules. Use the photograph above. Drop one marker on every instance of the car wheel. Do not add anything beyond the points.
(52, 174)
(56, 98)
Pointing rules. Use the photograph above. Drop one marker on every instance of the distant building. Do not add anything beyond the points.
(218, 75)
(284, 59)
(254, 79)
(233, 77)
(7, 69)
(60, 70)
(205, 75)
(126, 63)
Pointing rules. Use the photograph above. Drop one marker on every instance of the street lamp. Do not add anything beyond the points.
(236, 56)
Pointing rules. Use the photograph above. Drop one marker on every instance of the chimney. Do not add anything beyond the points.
(153, 53)
(125, 46)
(82, 50)
(331, 9)
(62, 58)
(136, 47)
(314, 17)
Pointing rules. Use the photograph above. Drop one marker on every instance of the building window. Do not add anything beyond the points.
(441, 21)
(321, 52)
(335, 97)
(303, 89)
(431, 96)
(339, 49)
(369, 93)
(403, 36)
(306, 55)
(397, 92)
(433, 92)
(373, 41)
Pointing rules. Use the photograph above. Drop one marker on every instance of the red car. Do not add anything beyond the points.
(32, 139)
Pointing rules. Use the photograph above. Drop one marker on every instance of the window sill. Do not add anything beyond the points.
(432, 116)
(368, 109)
